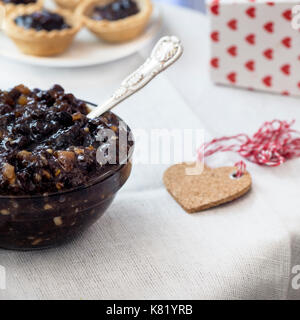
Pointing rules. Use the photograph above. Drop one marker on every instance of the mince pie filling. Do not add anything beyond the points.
(19, 1)
(42, 20)
(49, 145)
(116, 10)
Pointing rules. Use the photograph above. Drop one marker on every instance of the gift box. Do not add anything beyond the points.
(256, 44)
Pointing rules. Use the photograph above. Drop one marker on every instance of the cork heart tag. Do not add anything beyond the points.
(206, 190)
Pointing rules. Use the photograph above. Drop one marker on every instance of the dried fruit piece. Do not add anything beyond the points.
(59, 185)
(78, 151)
(46, 174)
(37, 177)
(9, 173)
(36, 241)
(5, 212)
(24, 90)
(22, 100)
(77, 116)
(66, 159)
(24, 155)
(58, 221)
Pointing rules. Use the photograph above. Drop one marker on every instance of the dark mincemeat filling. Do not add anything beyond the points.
(42, 20)
(47, 142)
(116, 10)
(19, 1)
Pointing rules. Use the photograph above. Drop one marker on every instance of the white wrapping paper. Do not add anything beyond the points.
(256, 45)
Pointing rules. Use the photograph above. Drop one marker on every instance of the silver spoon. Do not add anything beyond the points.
(165, 53)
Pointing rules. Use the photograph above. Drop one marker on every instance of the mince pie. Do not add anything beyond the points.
(115, 21)
(42, 32)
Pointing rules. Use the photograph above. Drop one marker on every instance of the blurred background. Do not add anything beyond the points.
(194, 4)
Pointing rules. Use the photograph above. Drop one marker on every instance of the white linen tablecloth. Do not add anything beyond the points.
(146, 246)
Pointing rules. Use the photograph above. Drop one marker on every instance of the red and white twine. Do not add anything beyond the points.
(273, 144)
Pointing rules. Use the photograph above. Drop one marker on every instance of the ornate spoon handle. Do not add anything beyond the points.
(164, 54)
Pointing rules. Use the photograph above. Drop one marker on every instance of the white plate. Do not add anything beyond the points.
(86, 50)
